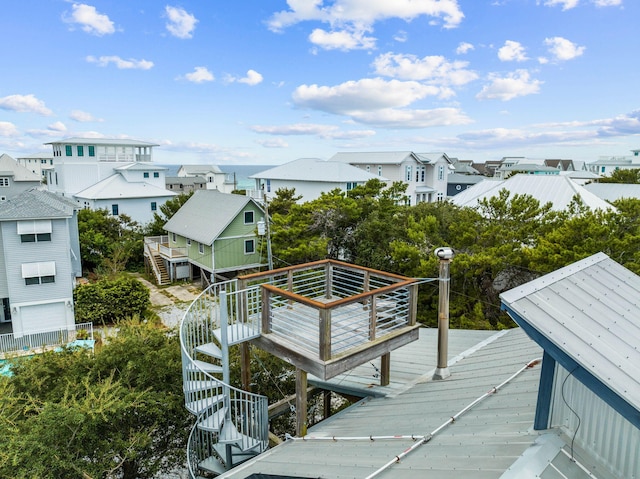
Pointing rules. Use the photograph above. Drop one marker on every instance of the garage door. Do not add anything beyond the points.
(43, 317)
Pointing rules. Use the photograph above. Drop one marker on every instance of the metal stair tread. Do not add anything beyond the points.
(204, 385)
(236, 333)
(211, 464)
(230, 435)
(199, 405)
(197, 365)
(210, 349)
(213, 422)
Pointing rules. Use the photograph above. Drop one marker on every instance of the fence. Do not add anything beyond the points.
(41, 340)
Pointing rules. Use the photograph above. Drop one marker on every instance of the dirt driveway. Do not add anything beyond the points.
(170, 302)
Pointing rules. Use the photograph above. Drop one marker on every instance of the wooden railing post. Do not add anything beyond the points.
(373, 317)
(301, 402)
(324, 345)
(329, 283)
(413, 304)
(266, 310)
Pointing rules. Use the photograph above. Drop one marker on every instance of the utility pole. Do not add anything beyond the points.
(442, 370)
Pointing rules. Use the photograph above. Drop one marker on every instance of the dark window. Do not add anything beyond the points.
(145, 174)
(114, 210)
(92, 150)
(156, 174)
(249, 247)
(32, 238)
(80, 150)
(154, 206)
(68, 151)
(29, 281)
(48, 279)
(248, 217)
(200, 248)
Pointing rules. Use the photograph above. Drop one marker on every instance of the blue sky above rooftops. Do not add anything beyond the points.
(267, 82)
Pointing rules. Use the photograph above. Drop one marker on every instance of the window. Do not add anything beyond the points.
(34, 231)
(173, 237)
(188, 241)
(154, 206)
(351, 186)
(145, 174)
(368, 168)
(420, 171)
(441, 172)
(4, 182)
(200, 248)
(379, 170)
(156, 174)
(440, 197)
(80, 150)
(92, 150)
(249, 246)
(458, 187)
(39, 273)
(408, 171)
(248, 217)
(114, 210)
(67, 150)
(268, 185)
(34, 238)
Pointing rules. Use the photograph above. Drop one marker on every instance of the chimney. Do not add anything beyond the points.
(445, 255)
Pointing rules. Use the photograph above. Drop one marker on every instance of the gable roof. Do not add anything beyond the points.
(588, 315)
(36, 204)
(614, 191)
(141, 166)
(315, 169)
(206, 214)
(557, 189)
(10, 167)
(117, 187)
(185, 180)
(200, 169)
(374, 157)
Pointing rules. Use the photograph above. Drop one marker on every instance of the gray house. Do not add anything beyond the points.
(15, 178)
(39, 262)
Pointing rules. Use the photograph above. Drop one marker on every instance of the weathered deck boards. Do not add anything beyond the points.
(410, 364)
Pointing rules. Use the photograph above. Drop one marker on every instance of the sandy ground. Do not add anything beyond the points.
(170, 302)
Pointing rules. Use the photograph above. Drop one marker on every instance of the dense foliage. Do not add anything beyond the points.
(118, 413)
(508, 240)
(108, 301)
(167, 210)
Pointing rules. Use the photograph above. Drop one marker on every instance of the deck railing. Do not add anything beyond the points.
(32, 342)
(161, 245)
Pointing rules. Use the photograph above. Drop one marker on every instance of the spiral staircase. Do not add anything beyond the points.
(231, 424)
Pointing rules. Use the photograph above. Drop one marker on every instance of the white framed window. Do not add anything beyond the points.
(249, 246)
(154, 206)
(39, 273)
(248, 217)
(408, 172)
(441, 172)
(440, 197)
(173, 237)
(145, 174)
(200, 248)
(34, 231)
(188, 241)
(156, 174)
(4, 182)
(114, 210)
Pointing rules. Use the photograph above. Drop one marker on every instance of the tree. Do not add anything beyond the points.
(116, 414)
(282, 202)
(101, 234)
(630, 176)
(109, 301)
(167, 210)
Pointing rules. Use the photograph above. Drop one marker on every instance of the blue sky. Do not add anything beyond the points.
(267, 82)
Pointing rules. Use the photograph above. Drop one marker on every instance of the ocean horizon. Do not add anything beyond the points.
(242, 172)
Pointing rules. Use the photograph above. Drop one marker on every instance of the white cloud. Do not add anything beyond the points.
(361, 15)
(563, 49)
(273, 143)
(512, 51)
(401, 36)
(355, 96)
(200, 75)
(464, 47)
(400, 118)
(181, 24)
(57, 126)
(253, 78)
(607, 3)
(8, 129)
(120, 63)
(566, 4)
(82, 116)
(342, 40)
(90, 20)
(515, 84)
(434, 69)
(312, 129)
(24, 104)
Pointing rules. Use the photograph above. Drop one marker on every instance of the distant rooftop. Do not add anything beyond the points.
(102, 141)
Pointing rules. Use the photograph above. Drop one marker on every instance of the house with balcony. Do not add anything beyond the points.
(214, 178)
(39, 264)
(605, 165)
(116, 174)
(213, 235)
(310, 177)
(425, 174)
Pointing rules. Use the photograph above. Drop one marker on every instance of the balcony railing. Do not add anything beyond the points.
(161, 245)
(41, 340)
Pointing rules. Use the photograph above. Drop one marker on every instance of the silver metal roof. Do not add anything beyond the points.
(116, 186)
(614, 191)
(200, 169)
(483, 443)
(373, 157)
(11, 167)
(314, 169)
(590, 310)
(101, 141)
(557, 189)
(206, 214)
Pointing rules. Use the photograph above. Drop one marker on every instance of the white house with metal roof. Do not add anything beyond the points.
(39, 262)
(605, 165)
(37, 163)
(116, 174)
(15, 178)
(425, 174)
(559, 190)
(215, 178)
(310, 177)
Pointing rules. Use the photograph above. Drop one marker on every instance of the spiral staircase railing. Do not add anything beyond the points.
(231, 424)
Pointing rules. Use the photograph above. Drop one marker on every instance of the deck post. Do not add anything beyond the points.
(329, 284)
(266, 310)
(245, 366)
(385, 369)
(373, 315)
(326, 403)
(301, 402)
(324, 345)
(413, 304)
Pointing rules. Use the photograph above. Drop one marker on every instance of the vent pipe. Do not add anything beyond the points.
(442, 370)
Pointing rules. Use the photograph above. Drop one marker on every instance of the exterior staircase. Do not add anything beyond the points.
(231, 425)
(161, 273)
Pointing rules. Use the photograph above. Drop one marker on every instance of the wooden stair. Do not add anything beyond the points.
(160, 268)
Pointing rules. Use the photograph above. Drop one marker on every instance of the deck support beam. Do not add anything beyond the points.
(385, 369)
(245, 366)
(301, 402)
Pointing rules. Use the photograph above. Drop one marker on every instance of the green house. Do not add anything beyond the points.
(212, 235)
